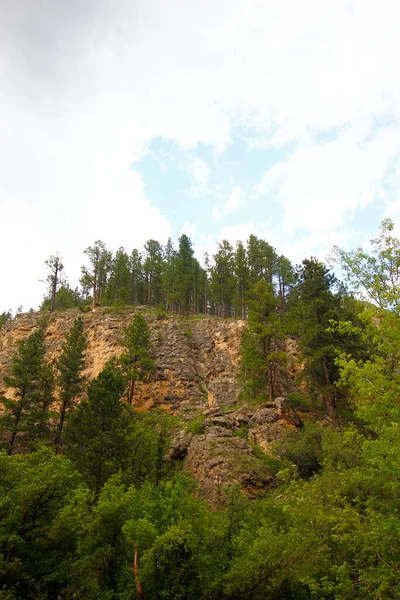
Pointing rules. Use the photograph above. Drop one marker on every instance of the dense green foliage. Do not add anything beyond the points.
(107, 518)
(96, 431)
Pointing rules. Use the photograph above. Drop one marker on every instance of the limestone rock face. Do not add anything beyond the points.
(270, 424)
(196, 359)
(196, 372)
(103, 332)
(197, 364)
(179, 447)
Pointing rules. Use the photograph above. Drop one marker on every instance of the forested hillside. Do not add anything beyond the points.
(225, 431)
(172, 278)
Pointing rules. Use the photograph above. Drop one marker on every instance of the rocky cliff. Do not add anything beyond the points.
(196, 374)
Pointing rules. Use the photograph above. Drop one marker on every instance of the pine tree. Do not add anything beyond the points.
(117, 290)
(184, 274)
(4, 317)
(314, 305)
(286, 278)
(169, 276)
(70, 366)
(96, 275)
(136, 361)
(199, 285)
(25, 374)
(261, 258)
(265, 322)
(95, 436)
(223, 279)
(242, 280)
(54, 279)
(153, 268)
(40, 414)
(253, 373)
(66, 297)
(136, 280)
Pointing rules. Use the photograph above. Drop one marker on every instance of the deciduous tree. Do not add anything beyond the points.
(376, 273)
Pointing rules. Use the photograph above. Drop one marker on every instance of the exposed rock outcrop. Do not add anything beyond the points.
(223, 452)
(196, 373)
(196, 358)
(219, 458)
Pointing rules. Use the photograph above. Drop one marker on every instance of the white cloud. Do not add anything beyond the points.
(296, 248)
(113, 208)
(320, 185)
(231, 204)
(85, 86)
(199, 171)
(393, 210)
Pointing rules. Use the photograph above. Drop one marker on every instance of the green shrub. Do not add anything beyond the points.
(196, 425)
(303, 448)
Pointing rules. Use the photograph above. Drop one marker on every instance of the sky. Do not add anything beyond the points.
(125, 120)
